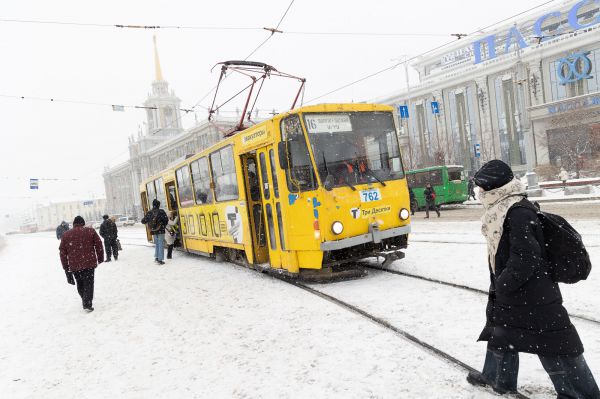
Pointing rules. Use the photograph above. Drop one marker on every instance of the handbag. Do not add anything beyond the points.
(119, 247)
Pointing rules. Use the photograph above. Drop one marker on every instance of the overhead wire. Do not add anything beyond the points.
(369, 76)
(273, 31)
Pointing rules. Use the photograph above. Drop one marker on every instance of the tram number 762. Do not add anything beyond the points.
(370, 195)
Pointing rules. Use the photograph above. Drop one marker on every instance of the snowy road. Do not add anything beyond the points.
(196, 329)
(193, 329)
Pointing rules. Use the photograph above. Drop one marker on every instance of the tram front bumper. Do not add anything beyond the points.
(374, 235)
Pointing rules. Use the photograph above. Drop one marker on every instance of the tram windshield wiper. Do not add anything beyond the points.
(349, 184)
(372, 174)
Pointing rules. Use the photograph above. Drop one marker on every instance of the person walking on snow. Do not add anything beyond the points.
(80, 253)
(109, 231)
(171, 233)
(61, 229)
(524, 310)
(157, 220)
(429, 193)
(563, 176)
(471, 189)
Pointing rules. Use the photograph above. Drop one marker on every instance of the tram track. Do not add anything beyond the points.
(440, 354)
(465, 288)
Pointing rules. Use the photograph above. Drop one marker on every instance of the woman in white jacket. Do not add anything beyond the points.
(171, 233)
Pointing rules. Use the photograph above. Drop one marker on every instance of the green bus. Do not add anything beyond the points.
(448, 181)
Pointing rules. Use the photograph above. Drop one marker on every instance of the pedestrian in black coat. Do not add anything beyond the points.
(61, 229)
(524, 311)
(109, 231)
(156, 219)
(413, 201)
(429, 193)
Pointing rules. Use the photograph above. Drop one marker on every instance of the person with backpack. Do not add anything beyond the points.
(524, 310)
(157, 220)
(429, 194)
(61, 229)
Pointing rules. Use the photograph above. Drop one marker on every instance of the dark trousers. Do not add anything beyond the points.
(570, 375)
(111, 248)
(85, 286)
(431, 204)
(170, 251)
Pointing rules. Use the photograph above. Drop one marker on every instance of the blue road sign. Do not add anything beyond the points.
(403, 111)
(86, 203)
(33, 184)
(435, 107)
(477, 149)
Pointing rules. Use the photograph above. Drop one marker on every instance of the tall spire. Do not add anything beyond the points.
(157, 69)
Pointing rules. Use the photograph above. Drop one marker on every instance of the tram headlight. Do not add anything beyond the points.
(404, 214)
(337, 227)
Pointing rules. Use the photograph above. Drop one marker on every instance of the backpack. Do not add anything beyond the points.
(154, 222)
(567, 257)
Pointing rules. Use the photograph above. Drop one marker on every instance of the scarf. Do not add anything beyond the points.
(496, 203)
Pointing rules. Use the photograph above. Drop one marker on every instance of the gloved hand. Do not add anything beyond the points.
(70, 278)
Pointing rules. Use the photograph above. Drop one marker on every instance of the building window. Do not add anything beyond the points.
(512, 143)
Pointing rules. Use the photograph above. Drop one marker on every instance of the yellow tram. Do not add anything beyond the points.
(303, 193)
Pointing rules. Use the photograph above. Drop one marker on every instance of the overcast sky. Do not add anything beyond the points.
(55, 140)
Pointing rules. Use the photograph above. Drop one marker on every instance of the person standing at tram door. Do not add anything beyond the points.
(524, 311)
(109, 231)
(80, 253)
(157, 220)
(171, 233)
(429, 193)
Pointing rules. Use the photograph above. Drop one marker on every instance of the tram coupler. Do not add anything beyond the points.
(390, 256)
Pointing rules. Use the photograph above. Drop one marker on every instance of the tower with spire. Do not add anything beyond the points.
(163, 113)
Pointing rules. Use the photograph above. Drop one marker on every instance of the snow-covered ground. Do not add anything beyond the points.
(194, 329)
(198, 329)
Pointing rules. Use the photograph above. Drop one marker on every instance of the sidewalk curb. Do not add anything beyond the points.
(548, 200)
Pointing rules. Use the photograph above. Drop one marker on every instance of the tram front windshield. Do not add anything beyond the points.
(354, 147)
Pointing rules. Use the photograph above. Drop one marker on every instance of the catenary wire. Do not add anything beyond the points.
(272, 32)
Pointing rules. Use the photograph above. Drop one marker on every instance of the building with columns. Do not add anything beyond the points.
(161, 142)
(526, 92)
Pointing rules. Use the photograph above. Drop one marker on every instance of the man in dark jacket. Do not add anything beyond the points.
(471, 189)
(156, 219)
(61, 229)
(109, 231)
(524, 311)
(429, 194)
(413, 201)
(80, 253)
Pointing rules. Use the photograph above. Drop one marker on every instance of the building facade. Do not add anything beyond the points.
(50, 216)
(160, 143)
(526, 92)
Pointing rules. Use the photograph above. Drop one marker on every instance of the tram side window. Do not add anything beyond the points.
(201, 181)
(160, 192)
(184, 186)
(300, 176)
(151, 192)
(223, 171)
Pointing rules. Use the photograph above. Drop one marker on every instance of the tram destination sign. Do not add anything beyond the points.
(328, 123)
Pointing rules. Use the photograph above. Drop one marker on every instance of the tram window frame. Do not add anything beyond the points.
(253, 180)
(280, 225)
(160, 192)
(185, 192)
(274, 173)
(203, 178)
(271, 226)
(219, 174)
(264, 174)
(295, 135)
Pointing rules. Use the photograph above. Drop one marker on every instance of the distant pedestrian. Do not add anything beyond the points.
(413, 201)
(471, 189)
(61, 229)
(171, 232)
(80, 253)
(157, 220)
(109, 232)
(429, 193)
(524, 310)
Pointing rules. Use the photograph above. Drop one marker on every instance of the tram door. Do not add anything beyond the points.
(255, 209)
(145, 209)
(271, 204)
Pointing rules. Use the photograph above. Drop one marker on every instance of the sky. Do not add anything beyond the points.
(67, 145)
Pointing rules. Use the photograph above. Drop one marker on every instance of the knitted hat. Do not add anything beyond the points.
(105, 217)
(78, 221)
(493, 174)
(155, 203)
